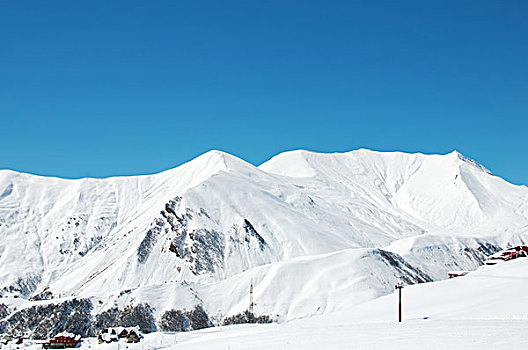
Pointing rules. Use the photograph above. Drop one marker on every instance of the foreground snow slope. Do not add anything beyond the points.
(310, 230)
(419, 335)
(486, 309)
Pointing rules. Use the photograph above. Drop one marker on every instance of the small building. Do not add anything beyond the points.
(453, 274)
(519, 251)
(5, 339)
(62, 341)
(134, 336)
(107, 338)
(123, 333)
(108, 335)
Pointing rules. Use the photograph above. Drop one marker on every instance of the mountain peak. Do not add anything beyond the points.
(469, 161)
(291, 163)
(213, 162)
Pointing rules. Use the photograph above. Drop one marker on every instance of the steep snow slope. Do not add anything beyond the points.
(445, 193)
(49, 224)
(199, 232)
(295, 288)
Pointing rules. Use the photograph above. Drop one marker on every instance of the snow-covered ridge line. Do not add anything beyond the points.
(217, 158)
(228, 159)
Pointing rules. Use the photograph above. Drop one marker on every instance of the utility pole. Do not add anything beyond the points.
(251, 303)
(399, 287)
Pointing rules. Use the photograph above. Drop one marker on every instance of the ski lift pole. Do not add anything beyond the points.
(399, 287)
(251, 304)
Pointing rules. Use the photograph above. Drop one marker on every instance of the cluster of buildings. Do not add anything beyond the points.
(107, 335)
(520, 251)
(508, 254)
(113, 334)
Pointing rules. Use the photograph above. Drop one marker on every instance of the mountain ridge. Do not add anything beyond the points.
(219, 154)
(183, 233)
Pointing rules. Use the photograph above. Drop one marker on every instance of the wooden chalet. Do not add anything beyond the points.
(123, 333)
(134, 336)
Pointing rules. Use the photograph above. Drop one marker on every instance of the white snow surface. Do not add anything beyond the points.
(315, 232)
(486, 309)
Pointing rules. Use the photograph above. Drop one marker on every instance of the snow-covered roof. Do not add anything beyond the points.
(68, 335)
(135, 329)
(120, 329)
(107, 337)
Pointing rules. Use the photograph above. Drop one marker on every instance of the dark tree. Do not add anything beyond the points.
(174, 321)
(246, 317)
(140, 315)
(44, 321)
(4, 311)
(108, 318)
(199, 318)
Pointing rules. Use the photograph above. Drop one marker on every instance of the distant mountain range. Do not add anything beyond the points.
(313, 232)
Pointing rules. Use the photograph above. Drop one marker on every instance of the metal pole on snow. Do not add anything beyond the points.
(399, 287)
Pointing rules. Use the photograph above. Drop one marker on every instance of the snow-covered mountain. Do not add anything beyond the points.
(314, 232)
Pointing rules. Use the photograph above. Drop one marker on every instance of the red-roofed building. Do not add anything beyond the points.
(62, 341)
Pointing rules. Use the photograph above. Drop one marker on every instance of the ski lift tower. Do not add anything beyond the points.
(251, 304)
(399, 287)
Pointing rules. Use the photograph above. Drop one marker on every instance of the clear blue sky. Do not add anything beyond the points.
(100, 88)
